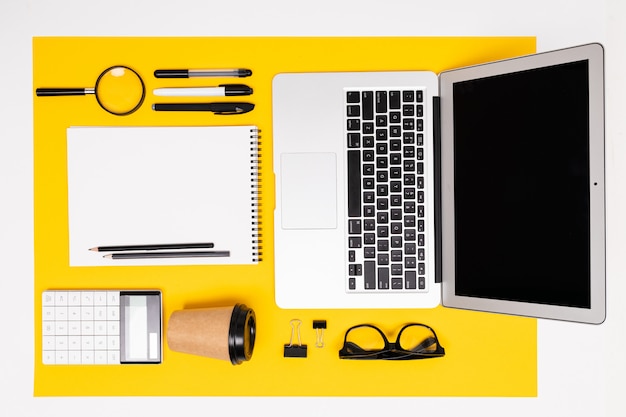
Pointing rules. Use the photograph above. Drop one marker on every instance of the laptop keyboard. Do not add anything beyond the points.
(386, 209)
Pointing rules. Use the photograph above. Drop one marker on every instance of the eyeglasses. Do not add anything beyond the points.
(414, 341)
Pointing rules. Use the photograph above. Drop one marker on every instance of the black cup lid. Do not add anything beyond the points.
(241, 334)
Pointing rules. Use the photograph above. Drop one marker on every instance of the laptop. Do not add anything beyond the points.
(480, 188)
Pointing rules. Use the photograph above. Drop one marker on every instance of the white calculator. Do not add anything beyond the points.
(101, 327)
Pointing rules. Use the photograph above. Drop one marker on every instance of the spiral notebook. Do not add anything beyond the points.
(163, 185)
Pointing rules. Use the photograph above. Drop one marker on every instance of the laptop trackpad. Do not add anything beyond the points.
(309, 190)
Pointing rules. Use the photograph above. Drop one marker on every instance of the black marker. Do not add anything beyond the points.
(223, 90)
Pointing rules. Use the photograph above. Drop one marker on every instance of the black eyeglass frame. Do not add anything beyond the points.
(392, 350)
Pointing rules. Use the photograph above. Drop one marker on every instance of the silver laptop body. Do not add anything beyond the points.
(311, 163)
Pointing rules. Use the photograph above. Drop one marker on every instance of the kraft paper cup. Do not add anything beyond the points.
(225, 333)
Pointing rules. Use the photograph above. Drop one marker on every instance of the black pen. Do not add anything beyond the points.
(156, 255)
(158, 246)
(189, 73)
(217, 108)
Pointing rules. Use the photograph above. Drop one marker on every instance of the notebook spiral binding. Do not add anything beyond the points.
(257, 223)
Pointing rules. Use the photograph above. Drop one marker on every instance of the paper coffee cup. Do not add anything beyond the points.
(225, 333)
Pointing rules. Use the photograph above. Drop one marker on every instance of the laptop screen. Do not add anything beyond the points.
(521, 195)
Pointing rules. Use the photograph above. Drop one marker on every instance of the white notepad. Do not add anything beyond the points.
(154, 185)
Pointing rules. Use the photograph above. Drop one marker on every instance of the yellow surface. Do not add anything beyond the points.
(487, 354)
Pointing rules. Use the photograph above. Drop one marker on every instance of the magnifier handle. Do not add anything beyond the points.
(64, 91)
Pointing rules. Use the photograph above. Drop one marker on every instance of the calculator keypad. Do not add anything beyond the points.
(81, 327)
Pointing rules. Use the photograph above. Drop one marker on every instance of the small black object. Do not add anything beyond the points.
(292, 350)
(236, 89)
(319, 326)
(295, 351)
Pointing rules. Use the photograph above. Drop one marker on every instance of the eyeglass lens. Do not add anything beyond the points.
(367, 338)
(417, 338)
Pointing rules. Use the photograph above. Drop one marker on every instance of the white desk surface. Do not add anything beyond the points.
(582, 369)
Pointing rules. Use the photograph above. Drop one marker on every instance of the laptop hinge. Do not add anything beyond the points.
(437, 178)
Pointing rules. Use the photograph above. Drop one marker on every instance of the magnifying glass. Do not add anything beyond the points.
(118, 90)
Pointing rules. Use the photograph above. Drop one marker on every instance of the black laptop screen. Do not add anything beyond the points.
(521, 172)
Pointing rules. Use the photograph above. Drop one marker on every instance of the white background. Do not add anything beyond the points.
(582, 368)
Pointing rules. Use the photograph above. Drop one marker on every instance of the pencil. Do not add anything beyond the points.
(155, 255)
(158, 246)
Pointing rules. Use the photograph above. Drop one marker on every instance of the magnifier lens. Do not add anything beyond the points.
(120, 90)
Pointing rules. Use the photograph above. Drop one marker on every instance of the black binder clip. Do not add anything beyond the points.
(295, 350)
(319, 326)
